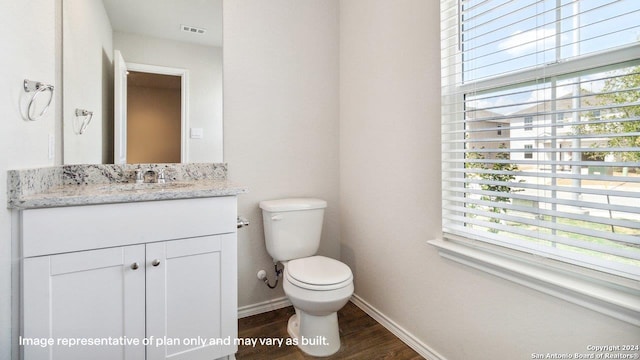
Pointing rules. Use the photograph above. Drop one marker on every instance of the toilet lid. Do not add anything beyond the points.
(318, 270)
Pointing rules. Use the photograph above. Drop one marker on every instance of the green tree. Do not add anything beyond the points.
(623, 89)
(502, 180)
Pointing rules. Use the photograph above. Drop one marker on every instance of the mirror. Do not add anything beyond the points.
(180, 38)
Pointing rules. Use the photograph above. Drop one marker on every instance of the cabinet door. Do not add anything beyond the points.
(84, 296)
(192, 298)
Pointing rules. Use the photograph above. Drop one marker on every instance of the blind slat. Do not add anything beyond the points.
(549, 114)
(545, 163)
(549, 200)
(542, 150)
(548, 138)
(563, 189)
(620, 121)
(544, 175)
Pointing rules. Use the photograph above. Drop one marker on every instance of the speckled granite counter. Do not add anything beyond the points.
(72, 185)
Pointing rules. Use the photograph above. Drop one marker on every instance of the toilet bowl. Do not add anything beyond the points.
(317, 286)
(316, 299)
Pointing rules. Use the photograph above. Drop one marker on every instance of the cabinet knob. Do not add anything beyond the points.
(155, 262)
(135, 266)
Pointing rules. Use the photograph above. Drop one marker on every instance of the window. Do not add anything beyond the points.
(528, 123)
(559, 121)
(571, 71)
(499, 130)
(528, 154)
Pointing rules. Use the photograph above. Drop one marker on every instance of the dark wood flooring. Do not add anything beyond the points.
(362, 337)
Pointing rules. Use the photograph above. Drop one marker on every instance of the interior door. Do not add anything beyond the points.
(120, 109)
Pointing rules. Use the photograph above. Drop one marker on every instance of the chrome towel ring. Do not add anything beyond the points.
(38, 88)
(86, 119)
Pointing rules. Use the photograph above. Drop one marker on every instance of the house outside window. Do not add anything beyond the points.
(571, 71)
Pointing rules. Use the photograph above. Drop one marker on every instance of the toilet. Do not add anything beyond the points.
(317, 286)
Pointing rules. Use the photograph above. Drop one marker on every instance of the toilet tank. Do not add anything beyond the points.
(292, 227)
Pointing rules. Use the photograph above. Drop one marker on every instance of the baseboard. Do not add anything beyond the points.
(402, 334)
(263, 307)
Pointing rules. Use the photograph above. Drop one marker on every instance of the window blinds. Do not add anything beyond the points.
(541, 128)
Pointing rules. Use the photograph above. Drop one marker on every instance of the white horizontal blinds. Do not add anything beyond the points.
(506, 36)
(541, 128)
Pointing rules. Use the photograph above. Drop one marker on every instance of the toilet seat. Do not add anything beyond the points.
(318, 273)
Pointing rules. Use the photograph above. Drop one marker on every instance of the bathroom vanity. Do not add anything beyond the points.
(128, 271)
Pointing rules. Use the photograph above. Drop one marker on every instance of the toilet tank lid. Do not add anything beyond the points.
(292, 204)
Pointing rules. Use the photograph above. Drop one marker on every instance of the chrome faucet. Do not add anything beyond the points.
(150, 176)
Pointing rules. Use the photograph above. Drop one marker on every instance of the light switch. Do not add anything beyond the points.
(197, 133)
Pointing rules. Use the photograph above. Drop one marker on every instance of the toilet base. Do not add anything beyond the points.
(316, 335)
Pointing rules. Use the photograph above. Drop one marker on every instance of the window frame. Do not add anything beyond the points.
(609, 294)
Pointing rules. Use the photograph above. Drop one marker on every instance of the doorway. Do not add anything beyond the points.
(155, 135)
(153, 118)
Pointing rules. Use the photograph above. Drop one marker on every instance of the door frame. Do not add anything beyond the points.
(184, 100)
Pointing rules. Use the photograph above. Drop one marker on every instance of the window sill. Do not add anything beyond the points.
(609, 295)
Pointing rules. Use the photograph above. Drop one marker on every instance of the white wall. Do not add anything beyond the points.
(88, 75)
(390, 203)
(280, 117)
(205, 84)
(28, 50)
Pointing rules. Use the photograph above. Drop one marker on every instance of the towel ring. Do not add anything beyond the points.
(88, 115)
(38, 88)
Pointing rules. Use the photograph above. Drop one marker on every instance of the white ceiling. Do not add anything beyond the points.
(163, 19)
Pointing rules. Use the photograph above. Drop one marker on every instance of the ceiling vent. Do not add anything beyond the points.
(192, 29)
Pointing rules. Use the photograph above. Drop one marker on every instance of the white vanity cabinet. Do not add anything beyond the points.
(159, 273)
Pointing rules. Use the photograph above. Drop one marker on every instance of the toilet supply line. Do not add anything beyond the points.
(262, 275)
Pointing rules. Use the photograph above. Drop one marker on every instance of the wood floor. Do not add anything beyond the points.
(362, 337)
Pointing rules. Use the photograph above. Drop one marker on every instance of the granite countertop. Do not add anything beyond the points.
(73, 195)
(102, 184)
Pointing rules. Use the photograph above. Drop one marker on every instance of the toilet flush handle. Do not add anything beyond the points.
(276, 217)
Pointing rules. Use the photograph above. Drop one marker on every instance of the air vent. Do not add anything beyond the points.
(192, 29)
